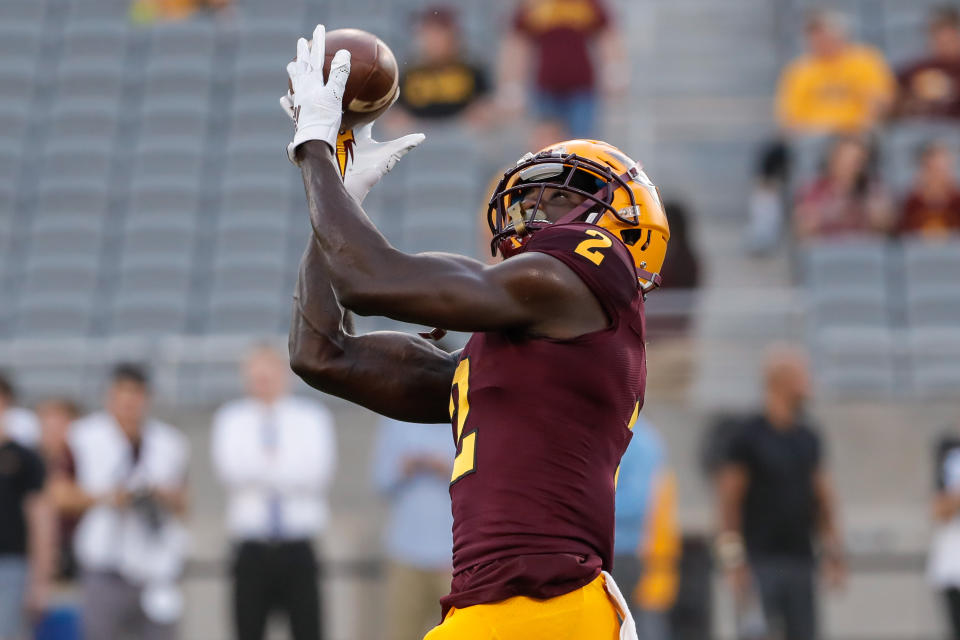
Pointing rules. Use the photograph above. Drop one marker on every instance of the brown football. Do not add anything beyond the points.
(374, 78)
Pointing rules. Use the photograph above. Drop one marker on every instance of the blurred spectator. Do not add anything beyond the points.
(647, 541)
(838, 87)
(775, 498)
(56, 415)
(147, 11)
(943, 568)
(441, 84)
(932, 208)
(275, 455)
(412, 468)
(130, 491)
(681, 276)
(21, 424)
(557, 35)
(845, 199)
(930, 86)
(27, 537)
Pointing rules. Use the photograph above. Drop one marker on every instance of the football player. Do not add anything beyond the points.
(544, 395)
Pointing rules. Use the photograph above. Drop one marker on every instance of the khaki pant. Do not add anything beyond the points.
(413, 600)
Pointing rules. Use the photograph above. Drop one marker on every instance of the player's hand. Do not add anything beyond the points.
(372, 160)
(317, 106)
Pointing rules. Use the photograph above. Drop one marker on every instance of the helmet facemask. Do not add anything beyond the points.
(593, 181)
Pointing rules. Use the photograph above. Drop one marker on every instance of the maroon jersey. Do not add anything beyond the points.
(540, 426)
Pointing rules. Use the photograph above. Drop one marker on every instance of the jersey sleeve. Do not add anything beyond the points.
(599, 258)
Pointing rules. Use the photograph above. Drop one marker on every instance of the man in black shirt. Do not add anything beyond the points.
(26, 531)
(776, 500)
(441, 84)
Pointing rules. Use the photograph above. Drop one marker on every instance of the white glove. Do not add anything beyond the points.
(370, 160)
(317, 106)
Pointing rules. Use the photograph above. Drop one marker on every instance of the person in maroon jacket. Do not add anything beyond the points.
(543, 397)
(930, 86)
(932, 208)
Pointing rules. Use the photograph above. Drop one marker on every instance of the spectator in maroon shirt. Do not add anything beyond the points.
(932, 208)
(930, 87)
(557, 36)
(845, 199)
(56, 415)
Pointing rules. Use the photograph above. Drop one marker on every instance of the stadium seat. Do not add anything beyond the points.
(78, 158)
(95, 38)
(157, 272)
(935, 360)
(28, 13)
(191, 39)
(80, 197)
(180, 77)
(933, 305)
(241, 271)
(931, 262)
(848, 307)
(260, 119)
(854, 263)
(56, 273)
(246, 313)
(264, 232)
(164, 158)
(163, 233)
(40, 314)
(856, 360)
(148, 313)
(58, 232)
(265, 194)
(259, 157)
(19, 43)
(173, 118)
(152, 195)
(80, 118)
(96, 78)
(16, 85)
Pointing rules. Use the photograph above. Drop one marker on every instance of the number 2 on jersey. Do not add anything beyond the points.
(590, 249)
(466, 460)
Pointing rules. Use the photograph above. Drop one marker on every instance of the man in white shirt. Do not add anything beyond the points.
(131, 489)
(275, 454)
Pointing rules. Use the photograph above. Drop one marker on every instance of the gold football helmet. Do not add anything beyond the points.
(618, 197)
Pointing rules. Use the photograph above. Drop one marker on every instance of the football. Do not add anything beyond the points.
(374, 77)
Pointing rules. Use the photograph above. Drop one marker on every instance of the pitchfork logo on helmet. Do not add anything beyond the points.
(618, 196)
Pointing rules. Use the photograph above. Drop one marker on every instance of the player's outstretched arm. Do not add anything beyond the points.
(397, 375)
(532, 292)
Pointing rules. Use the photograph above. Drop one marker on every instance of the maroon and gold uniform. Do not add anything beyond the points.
(540, 427)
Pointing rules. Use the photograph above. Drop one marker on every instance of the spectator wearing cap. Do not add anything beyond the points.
(130, 494)
(932, 207)
(839, 87)
(21, 424)
(441, 85)
(275, 455)
(27, 538)
(930, 86)
(574, 49)
(845, 199)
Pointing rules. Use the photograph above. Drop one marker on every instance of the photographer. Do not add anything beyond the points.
(130, 488)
